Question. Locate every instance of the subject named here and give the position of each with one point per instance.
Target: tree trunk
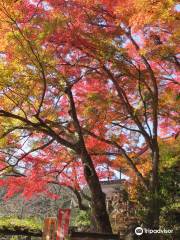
(99, 210)
(97, 196)
(154, 204)
(153, 217)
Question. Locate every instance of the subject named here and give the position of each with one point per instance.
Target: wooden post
(49, 229)
(63, 223)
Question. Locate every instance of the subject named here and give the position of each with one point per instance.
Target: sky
(177, 7)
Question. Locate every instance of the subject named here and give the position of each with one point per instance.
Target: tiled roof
(108, 182)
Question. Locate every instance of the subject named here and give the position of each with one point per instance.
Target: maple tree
(84, 88)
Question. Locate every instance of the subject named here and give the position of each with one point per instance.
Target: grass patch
(12, 224)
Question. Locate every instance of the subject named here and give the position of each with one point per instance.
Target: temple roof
(110, 182)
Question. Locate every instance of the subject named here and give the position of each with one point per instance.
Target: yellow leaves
(143, 51)
(174, 39)
(90, 110)
(3, 142)
(138, 13)
(144, 167)
(169, 152)
(151, 12)
(6, 171)
(8, 2)
(163, 51)
(95, 97)
(49, 115)
(96, 106)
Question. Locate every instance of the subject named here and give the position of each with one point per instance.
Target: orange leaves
(120, 162)
(85, 46)
(144, 166)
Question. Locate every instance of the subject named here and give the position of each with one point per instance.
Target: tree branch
(124, 154)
